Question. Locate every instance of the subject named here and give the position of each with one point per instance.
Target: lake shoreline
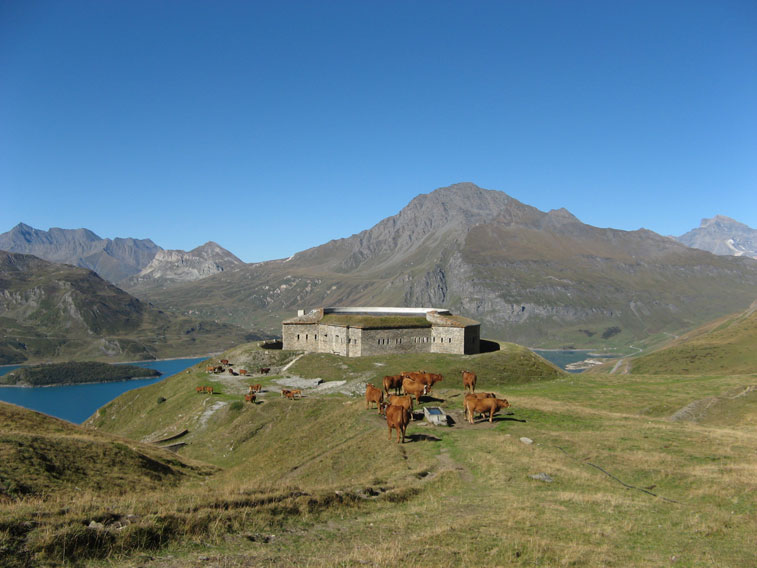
(75, 384)
(207, 356)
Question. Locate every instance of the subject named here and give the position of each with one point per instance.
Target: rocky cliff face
(724, 236)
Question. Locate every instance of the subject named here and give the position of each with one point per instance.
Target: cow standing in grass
(410, 387)
(469, 381)
(397, 418)
(392, 382)
(484, 405)
(373, 394)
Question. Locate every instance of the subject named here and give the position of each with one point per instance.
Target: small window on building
(298, 337)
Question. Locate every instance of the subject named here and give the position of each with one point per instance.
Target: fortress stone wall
(356, 332)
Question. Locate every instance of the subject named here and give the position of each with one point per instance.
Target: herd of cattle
(398, 408)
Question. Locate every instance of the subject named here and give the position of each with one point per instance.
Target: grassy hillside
(56, 312)
(725, 346)
(609, 479)
(136, 413)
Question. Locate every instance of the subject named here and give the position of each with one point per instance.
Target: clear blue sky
(273, 126)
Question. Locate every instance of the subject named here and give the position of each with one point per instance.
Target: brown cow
(397, 417)
(242, 371)
(209, 390)
(265, 370)
(232, 372)
(409, 386)
(403, 401)
(286, 393)
(484, 405)
(296, 393)
(255, 388)
(428, 379)
(291, 394)
(210, 368)
(469, 381)
(249, 397)
(199, 389)
(475, 396)
(373, 394)
(393, 382)
(224, 361)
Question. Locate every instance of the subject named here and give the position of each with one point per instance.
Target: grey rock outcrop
(181, 266)
(724, 236)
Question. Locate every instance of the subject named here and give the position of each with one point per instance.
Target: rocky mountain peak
(724, 236)
(182, 266)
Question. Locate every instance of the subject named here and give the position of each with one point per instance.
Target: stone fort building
(356, 332)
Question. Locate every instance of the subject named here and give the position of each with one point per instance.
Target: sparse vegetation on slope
(725, 347)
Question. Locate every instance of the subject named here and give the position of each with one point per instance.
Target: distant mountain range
(52, 311)
(140, 261)
(722, 235)
(532, 277)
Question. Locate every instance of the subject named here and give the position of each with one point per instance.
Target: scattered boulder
(542, 477)
(526, 440)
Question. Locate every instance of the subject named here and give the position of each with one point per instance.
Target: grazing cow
(403, 401)
(409, 386)
(218, 369)
(469, 381)
(428, 379)
(255, 388)
(200, 390)
(484, 405)
(372, 394)
(291, 394)
(393, 382)
(210, 368)
(475, 396)
(208, 390)
(249, 398)
(478, 396)
(265, 370)
(242, 371)
(232, 372)
(397, 417)
(224, 361)
(286, 393)
(296, 393)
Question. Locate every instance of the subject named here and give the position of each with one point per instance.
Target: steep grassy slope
(725, 347)
(40, 455)
(57, 312)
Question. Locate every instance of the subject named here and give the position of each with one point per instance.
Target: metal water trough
(435, 415)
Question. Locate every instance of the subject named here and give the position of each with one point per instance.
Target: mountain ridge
(532, 277)
(52, 311)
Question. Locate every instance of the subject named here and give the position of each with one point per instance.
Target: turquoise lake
(76, 403)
